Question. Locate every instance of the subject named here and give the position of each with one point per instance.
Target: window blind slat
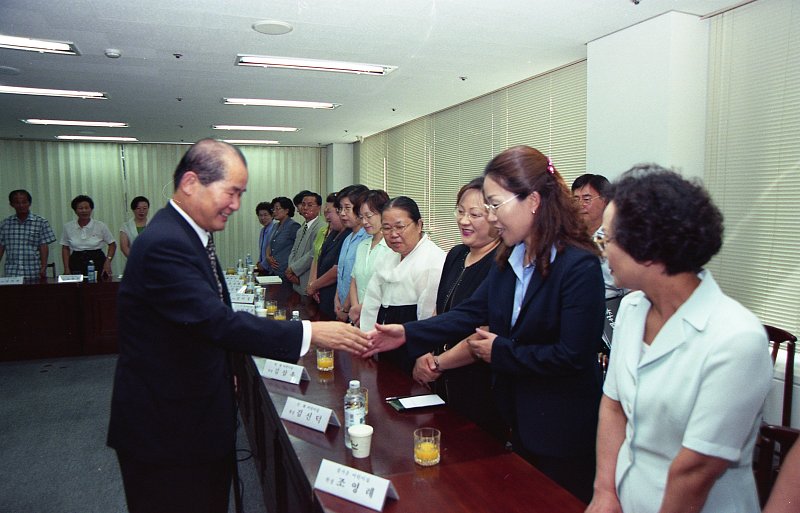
(547, 112)
(753, 156)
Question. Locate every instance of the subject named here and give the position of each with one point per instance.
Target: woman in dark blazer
(283, 236)
(322, 283)
(543, 302)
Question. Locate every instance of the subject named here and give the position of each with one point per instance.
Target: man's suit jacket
(303, 253)
(283, 237)
(547, 382)
(173, 398)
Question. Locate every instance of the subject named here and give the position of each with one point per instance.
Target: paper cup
(360, 439)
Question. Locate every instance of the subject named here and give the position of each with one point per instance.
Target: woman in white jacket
(689, 367)
(404, 286)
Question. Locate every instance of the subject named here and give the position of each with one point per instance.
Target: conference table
(476, 472)
(47, 319)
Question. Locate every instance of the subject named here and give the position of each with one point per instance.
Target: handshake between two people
(385, 337)
(343, 336)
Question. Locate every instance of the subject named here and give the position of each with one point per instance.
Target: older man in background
(25, 238)
(302, 253)
(588, 191)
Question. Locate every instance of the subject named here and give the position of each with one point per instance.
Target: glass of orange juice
(427, 441)
(324, 359)
(272, 307)
(280, 314)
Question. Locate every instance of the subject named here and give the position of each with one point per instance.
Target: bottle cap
(354, 383)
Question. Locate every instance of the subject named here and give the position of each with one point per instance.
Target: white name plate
(242, 298)
(241, 307)
(12, 280)
(233, 281)
(309, 415)
(282, 371)
(70, 278)
(354, 485)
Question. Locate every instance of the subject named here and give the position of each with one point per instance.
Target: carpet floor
(53, 457)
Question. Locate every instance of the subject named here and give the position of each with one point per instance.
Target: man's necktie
(211, 249)
(303, 234)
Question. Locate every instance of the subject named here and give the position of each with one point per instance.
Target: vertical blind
(753, 156)
(430, 158)
(113, 174)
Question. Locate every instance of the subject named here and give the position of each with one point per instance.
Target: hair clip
(550, 168)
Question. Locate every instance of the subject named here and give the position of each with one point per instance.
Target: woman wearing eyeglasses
(369, 251)
(322, 280)
(689, 368)
(467, 388)
(404, 285)
(283, 235)
(348, 205)
(543, 303)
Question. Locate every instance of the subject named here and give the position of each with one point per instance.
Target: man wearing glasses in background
(588, 191)
(302, 253)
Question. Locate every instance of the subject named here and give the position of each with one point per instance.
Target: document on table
(414, 401)
(420, 401)
(269, 280)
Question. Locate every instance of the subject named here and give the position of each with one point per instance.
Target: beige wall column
(646, 99)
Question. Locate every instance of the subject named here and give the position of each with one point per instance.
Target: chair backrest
(777, 338)
(774, 443)
(612, 307)
(52, 267)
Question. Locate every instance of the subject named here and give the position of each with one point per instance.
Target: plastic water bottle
(90, 271)
(295, 315)
(251, 267)
(354, 410)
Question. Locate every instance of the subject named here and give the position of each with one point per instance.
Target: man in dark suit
(173, 416)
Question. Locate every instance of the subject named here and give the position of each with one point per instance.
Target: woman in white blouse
(404, 285)
(689, 368)
(82, 240)
(135, 225)
(369, 251)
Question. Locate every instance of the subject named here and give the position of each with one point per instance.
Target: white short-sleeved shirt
(94, 235)
(701, 384)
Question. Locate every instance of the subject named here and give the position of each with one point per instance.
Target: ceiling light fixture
(258, 128)
(248, 141)
(272, 27)
(313, 65)
(63, 122)
(38, 45)
(279, 103)
(95, 138)
(61, 93)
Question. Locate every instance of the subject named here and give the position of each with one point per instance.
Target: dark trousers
(573, 473)
(79, 261)
(154, 488)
